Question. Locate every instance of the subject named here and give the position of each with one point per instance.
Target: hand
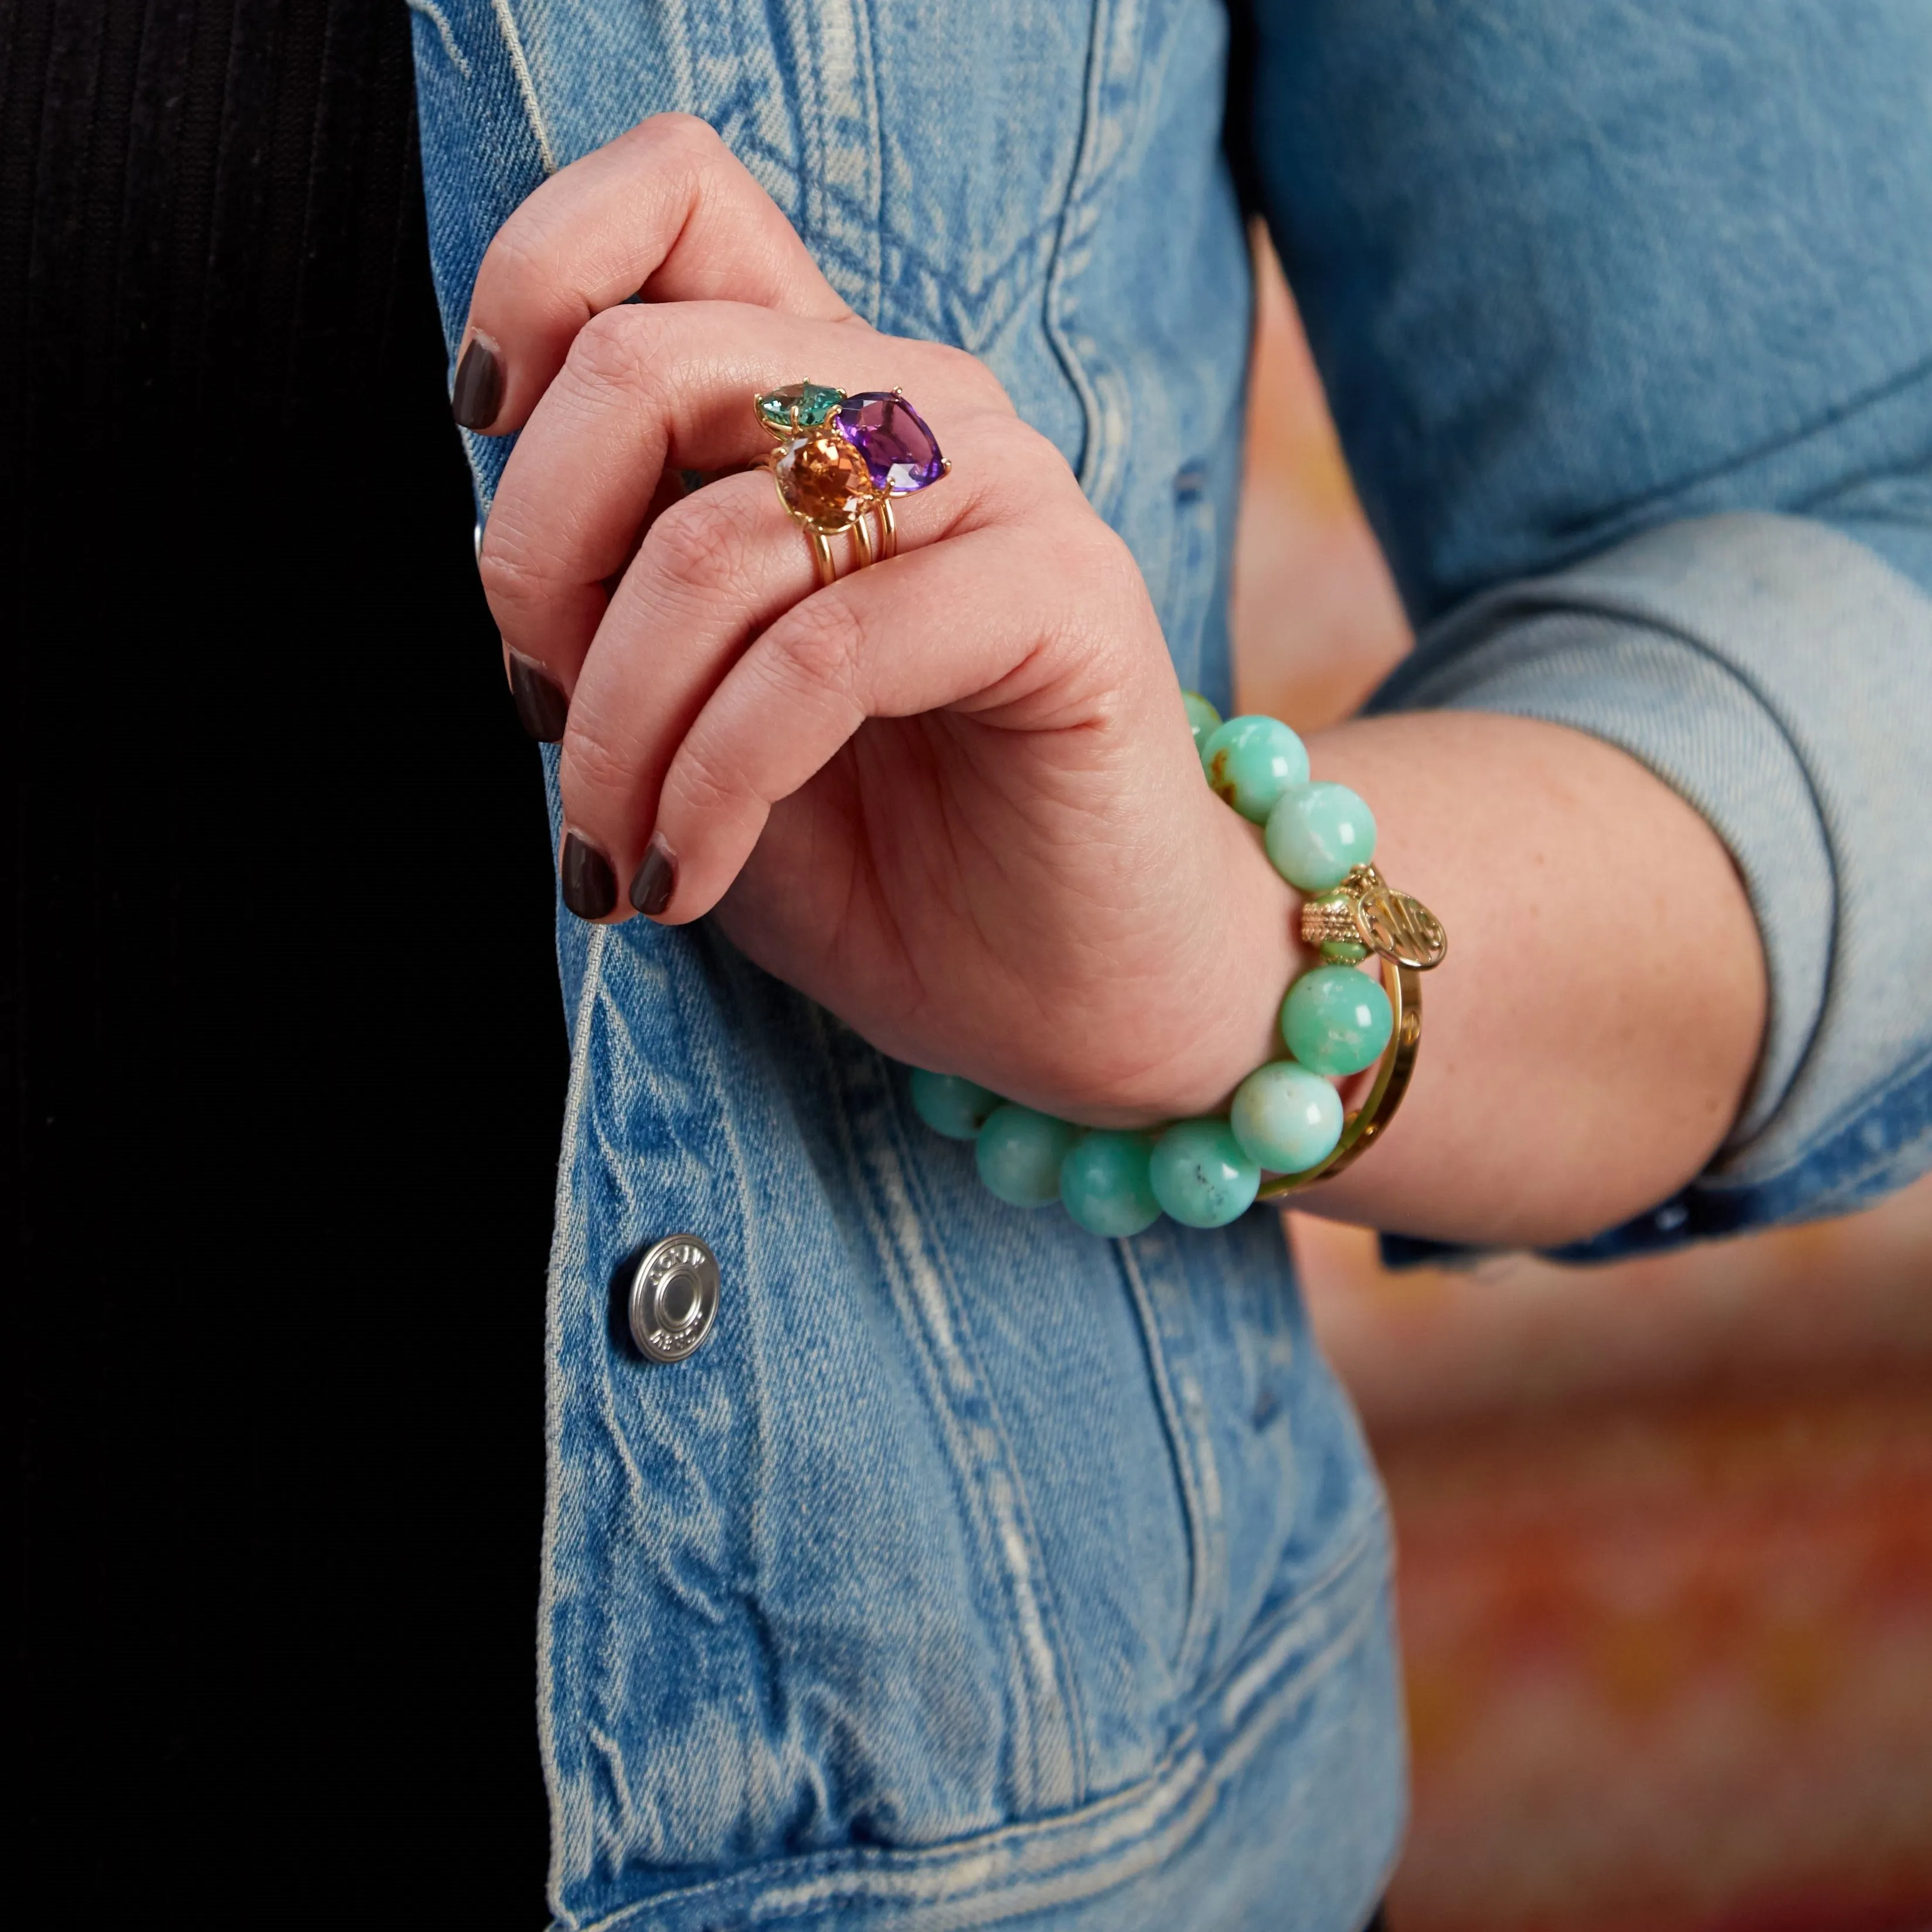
(953, 797)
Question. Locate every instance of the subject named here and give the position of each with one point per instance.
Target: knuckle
(677, 136)
(699, 786)
(819, 645)
(512, 580)
(701, 545)
(598, 763)
(961, 369)
(609, 353)
(520, 251)
(1037, 457)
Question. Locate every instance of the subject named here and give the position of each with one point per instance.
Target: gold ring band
(839, 461)
(867, 547)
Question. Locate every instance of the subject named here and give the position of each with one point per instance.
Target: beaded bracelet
(1286, 1127)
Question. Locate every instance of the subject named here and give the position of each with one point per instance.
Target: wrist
(1216, 1018)
(1255, 954)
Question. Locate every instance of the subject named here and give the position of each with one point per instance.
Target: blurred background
(1665, 1527)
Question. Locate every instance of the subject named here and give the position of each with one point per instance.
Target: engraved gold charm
(1364, 910)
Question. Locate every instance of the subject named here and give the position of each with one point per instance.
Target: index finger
(666, 211)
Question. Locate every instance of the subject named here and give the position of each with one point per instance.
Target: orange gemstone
(824, 482)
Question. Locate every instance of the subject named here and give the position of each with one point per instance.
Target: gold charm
(1365, 909)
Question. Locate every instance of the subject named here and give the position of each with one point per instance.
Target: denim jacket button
(673, 1297)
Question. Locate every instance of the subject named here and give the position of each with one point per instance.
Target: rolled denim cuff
(1778, 675)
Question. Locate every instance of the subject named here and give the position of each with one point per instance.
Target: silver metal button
(673, 1297)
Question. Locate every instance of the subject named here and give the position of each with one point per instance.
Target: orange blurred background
(1665, 1527)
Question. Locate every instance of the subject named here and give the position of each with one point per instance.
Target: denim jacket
(976, 1570)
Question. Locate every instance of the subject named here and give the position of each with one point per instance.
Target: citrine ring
(840, 460)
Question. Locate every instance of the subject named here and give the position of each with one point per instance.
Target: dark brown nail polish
(478, 394)
(590, 886)
(541, 707)
(656, 880)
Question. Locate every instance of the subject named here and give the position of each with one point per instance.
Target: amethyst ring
(840, 460)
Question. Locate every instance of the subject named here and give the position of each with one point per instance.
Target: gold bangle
(1365, 916)
(1361, 1128)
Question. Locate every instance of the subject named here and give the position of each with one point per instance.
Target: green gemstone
(1337, 1021)
(1104, 1186)
(798, 406)
(951, 1106)
(1254, 763)
(1318, 834)
(1287, 1119)
(1201, 1174)
(1202, 715)
(1019, 1153)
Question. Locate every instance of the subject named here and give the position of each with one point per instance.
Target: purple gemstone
(892, 436)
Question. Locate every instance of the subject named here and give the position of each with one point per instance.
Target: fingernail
(590, 886)
(542, 710)
(478, 394)
(656, 879)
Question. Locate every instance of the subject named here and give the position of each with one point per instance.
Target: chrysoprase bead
(1104, 1183)
(1019, 1153)
(950, 1105)
(1317, 835)
(1286, 1118)
(1254, 763)
(1201, 715)
(1200, 1174)
(1335, 1020)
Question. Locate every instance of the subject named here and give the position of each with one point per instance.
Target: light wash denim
(975, 1570)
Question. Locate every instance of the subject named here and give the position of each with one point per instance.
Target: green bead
(1019, 1153)
(1317, 836)
(1254, 763)
(1104, 1183)
(1287, 1119)
(1337, 1021)
(1200, 1174)
(950, 1106)
(1201, 715)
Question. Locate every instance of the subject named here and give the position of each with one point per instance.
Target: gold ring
(838, 461)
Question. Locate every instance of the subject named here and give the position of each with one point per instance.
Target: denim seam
(1202, 1568)
(559, 1395)
(875, 230)
(520, 67)
(440, 21)
(901, 1252)
(1166, 1807)
(1053, 293)
(1045, 1596)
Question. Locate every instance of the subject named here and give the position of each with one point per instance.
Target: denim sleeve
(1625, 314)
